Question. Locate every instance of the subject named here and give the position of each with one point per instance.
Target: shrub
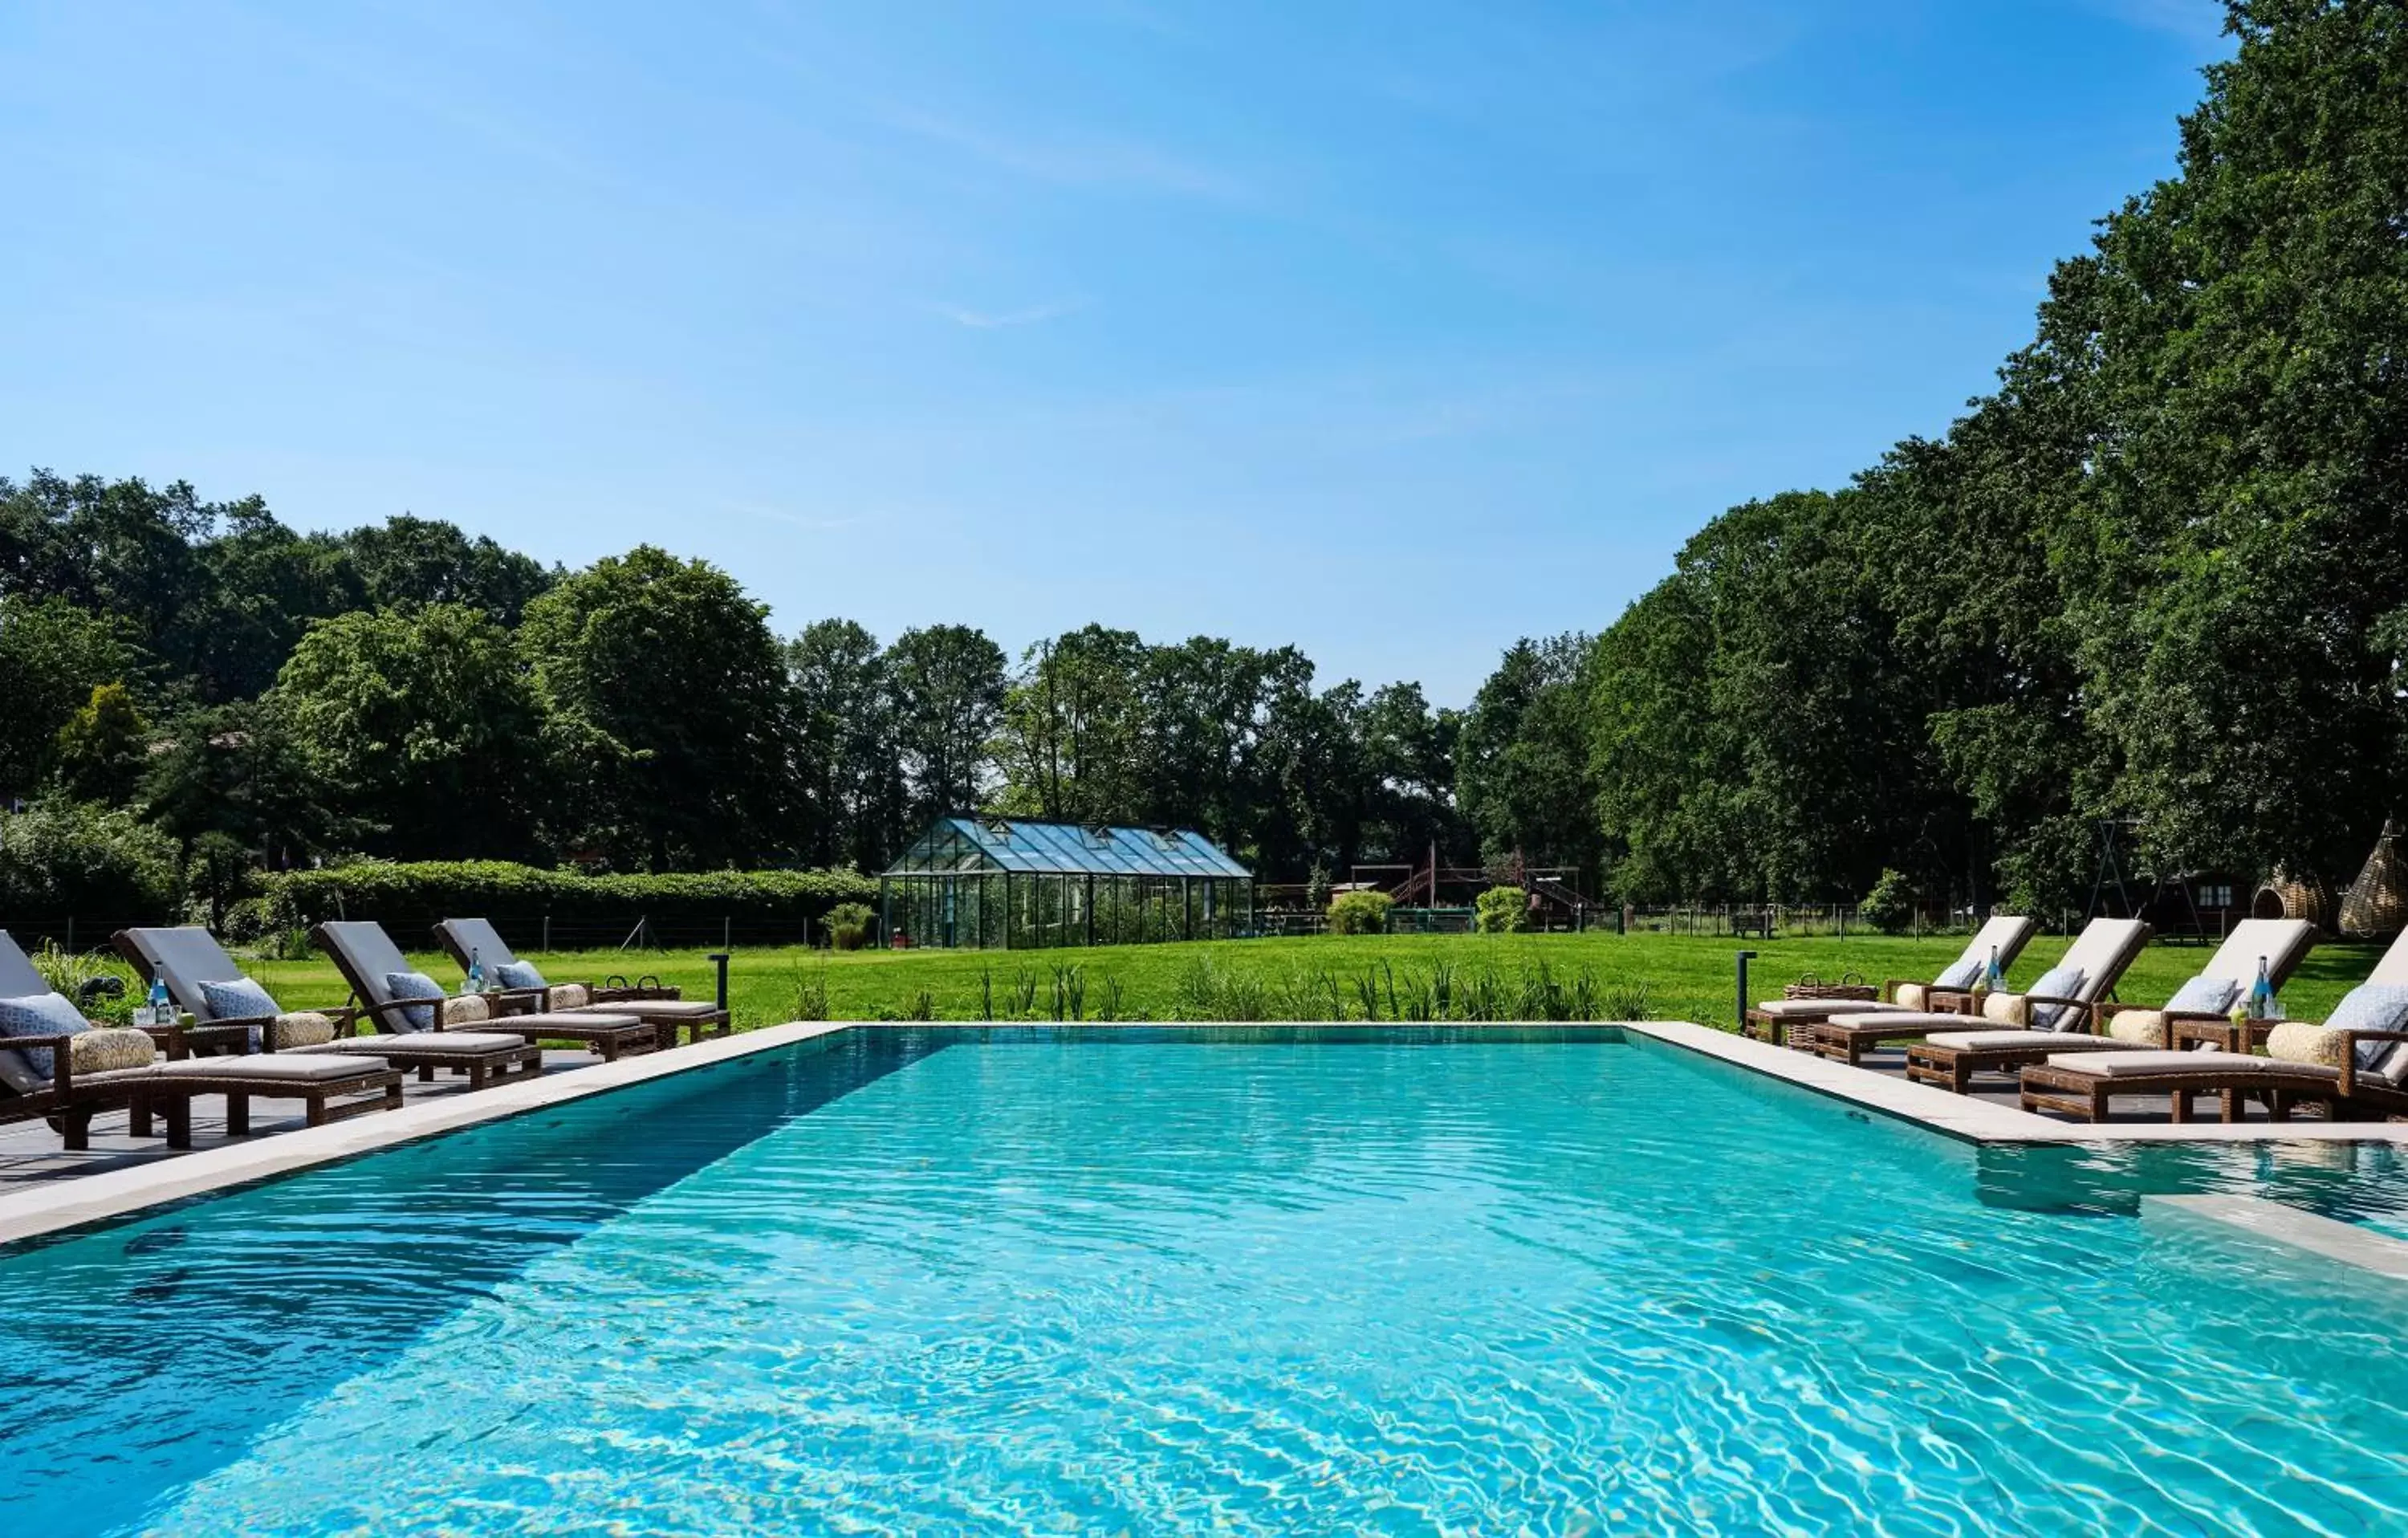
(848, 924)
(1889, 907)
(62, 857)
(409, 899)
(1360, 913)
(1501, 910)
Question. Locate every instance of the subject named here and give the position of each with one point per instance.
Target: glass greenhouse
(988, 882)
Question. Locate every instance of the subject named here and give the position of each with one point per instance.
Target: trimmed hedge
(408, 899)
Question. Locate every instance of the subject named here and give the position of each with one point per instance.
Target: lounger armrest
(2349, 1039)
(2084, 1011)
(61, 1071)
(397, 1009)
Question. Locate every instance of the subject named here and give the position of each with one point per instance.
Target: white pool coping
(75, 1201)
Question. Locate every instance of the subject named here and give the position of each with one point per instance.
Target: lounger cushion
(2119, 1065)
(107, 1050)
(294, 1067)
(2060, 982)
(399, 985)
(302, 1029)
(2372, 1006)
(2007, 1009)
(425, 1042)
(2061, 1041)
(517, 974)
(1779, 1009)
(2204, 996)
(1903, 1022)
(39, 1015)
(678, 1009)
(240, 998)
(1962, 974)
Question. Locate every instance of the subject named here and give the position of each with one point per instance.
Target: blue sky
(1394, 330)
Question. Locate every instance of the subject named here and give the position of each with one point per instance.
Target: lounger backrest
(2282, 941)
(2103, 950)
(364, 955)
(467, 937)
(2393, 967)
(2008, 933)
(185, 958)
(17, 977)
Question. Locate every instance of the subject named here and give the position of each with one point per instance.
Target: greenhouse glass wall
(987, 882)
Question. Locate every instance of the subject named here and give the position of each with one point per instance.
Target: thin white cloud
(996, 320)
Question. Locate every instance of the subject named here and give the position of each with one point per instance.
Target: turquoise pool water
(932, 1282)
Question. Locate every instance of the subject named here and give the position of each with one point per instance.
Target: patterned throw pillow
(2204, 996)
(1961, 975)
(239, 999)
(465, 1009)
(400, 986)
(40, 1014)
(517, 974)
(569, 995)
(2062, 982)
(2372, 1006)
(2007, 1009)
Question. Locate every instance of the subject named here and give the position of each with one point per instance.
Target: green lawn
(1653, 976)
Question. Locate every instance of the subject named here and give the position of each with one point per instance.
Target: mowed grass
(1683, 977)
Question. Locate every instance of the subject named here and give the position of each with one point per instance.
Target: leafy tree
(408, 560)
(667, 706)
(848, 769)
(948, 682)
(236, 770)
(1501, 910)
(63, 858)
(1072, 731)
(1524, 778)
(52, 657)
(426, 721)
(100, 748)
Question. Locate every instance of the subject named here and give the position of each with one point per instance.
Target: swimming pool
(1263, 1279)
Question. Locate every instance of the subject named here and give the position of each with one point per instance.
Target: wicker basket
(1849, 988)
(2376, 906)
(2285, 896)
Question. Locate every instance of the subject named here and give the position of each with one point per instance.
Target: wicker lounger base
(2086, 1096)
(608, 1034)
(428, 1053)
(169, 1090)
(1953, 1068)
(1793, 1026)
(1848, 1038)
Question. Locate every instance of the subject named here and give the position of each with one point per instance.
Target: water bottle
(161, 1012)
(2261, 994)
(1991, 975)
(474, 982)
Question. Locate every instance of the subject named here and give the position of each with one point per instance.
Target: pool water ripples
(1009, 1281)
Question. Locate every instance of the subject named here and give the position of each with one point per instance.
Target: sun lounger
(194, 967)
(1949, 1060)
(327, 1086)
(1775, 1019)
(477, 940)
(2100, 952)
(2348, 1071)
(369, 961)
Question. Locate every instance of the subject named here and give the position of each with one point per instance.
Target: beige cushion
(1899, 1020)
(1912, 996)
(2057, 1040)
(583, 1020)
(425, 1044)
(2138, 1027)
(465, 1009)
(568, 996)
(108, 1050)
(2007, 1009)
(301, 1028)
(2115, 1065)
(2301, 1041)
(298, 1067)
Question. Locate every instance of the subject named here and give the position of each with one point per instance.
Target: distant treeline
(2159, 576)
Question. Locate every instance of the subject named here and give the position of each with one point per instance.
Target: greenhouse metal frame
(1005, 884)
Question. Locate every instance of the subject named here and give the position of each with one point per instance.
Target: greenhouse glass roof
(962, 845)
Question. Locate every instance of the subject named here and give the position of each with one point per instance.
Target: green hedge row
(408, 899)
